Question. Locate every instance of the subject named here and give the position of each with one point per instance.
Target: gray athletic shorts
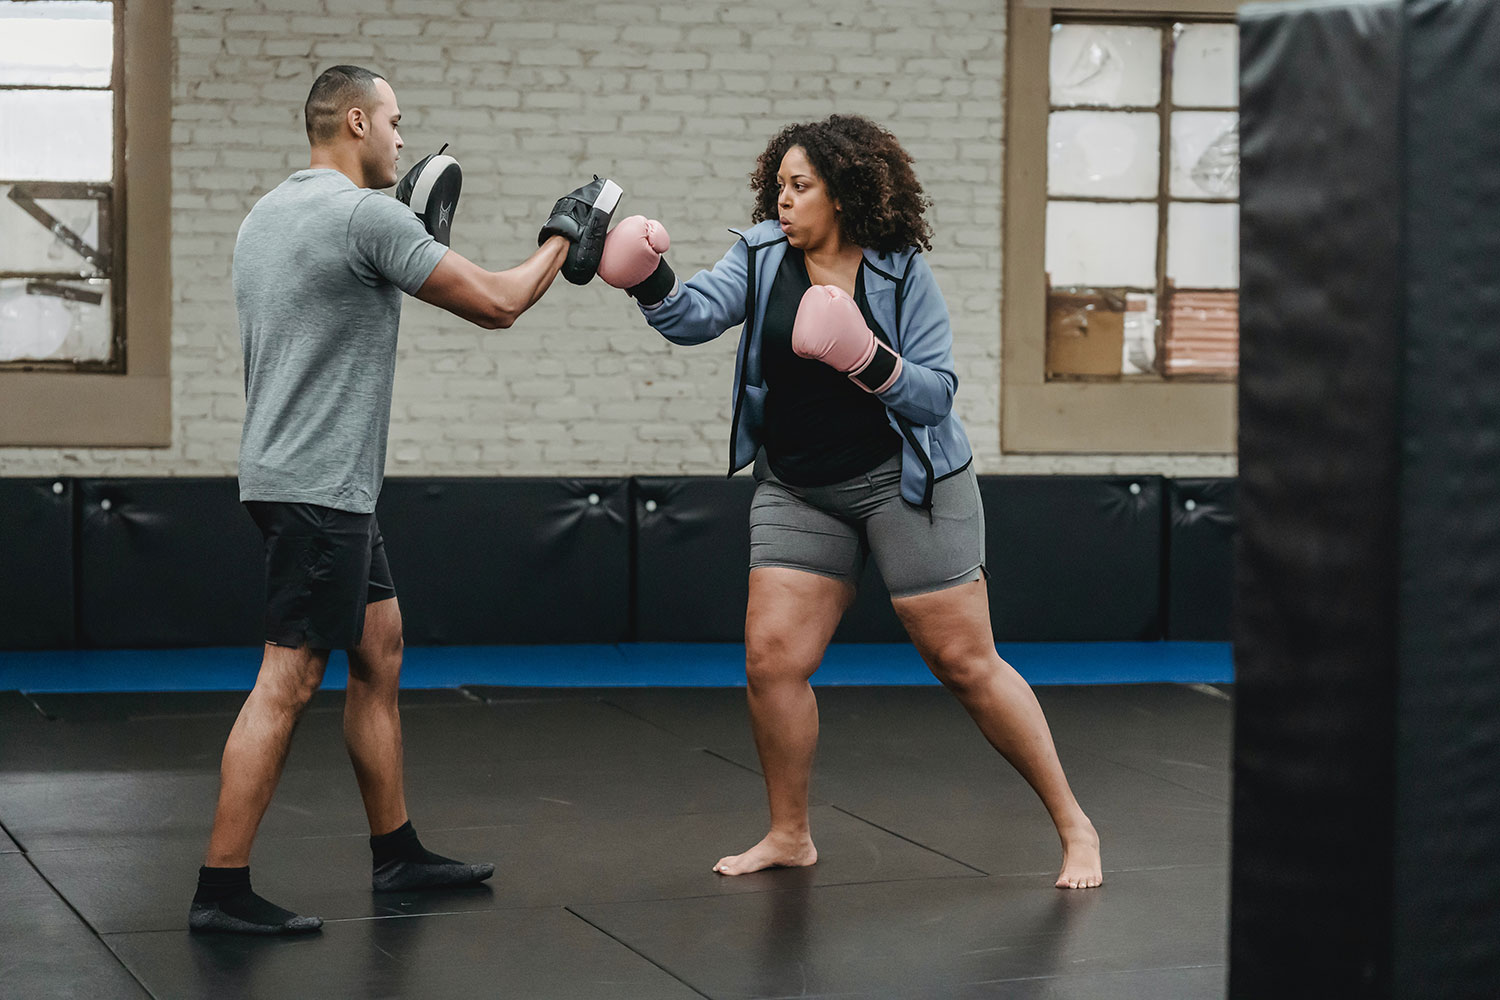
(831, 530)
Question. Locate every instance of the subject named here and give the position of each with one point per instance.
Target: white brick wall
(673, 100)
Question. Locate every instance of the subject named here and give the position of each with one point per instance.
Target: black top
(820, 428)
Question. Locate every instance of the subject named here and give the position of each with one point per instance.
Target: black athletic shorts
(322, 567)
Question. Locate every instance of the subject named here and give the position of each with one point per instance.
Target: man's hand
(582, 218)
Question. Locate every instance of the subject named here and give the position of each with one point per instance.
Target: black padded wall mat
(692, 566)
(1200, 558)
(1368, 618)
(481, 561)
(1070, 558)
(871, 618)
(36, 563)
(167, 562)
(174, 562)
(1448, 694)
(1073, 558)
(692, 539)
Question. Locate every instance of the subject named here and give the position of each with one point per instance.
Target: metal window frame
(111, 216)
(1165, 107)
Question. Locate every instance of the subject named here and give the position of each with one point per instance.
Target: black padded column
(1448, 688)
(1367, 756)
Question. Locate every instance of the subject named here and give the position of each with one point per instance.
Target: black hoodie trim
(744, 366)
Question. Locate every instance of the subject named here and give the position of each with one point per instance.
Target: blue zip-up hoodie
(903, 297)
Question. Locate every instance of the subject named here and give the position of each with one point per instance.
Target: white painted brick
(677, 98)
(193, 22)
(248, 26)
(320, 26)
(651, 36)
(750, 14)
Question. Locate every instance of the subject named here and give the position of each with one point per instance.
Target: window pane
(1103, 154)
(56, 44)
(1205, 66)
(1205, 154)
(1100, 332)
(1140, 334)
(27, 245)
(1101, 64)
(1101, 245)
(1203, 245)
(53, 321)
(1203, 334)
(57, 135)
(1085, 332)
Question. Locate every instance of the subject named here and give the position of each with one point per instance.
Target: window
(1118, 311)
(59, 92)
(85, 251)
(1142, 244)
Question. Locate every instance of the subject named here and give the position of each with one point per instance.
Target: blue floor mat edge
(624, 665)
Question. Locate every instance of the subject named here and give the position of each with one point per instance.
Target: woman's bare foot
(1081, 868)
(775, 851)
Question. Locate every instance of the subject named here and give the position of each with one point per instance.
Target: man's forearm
(524, 284)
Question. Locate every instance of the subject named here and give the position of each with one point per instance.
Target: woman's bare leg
(789, 621)
(951, 629)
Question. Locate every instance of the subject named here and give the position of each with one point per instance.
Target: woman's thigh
(920, 551)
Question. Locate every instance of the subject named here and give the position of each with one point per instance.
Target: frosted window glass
(1105, 65)
(25, 245)
(1205, 66)
(1203, 245)
(44, 321)
(1106, 246)
(1103, 154)
(1140, 335)
(57, 135)
(56, 44)
(1205, 154)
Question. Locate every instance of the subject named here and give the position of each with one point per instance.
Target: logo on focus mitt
(431, 190)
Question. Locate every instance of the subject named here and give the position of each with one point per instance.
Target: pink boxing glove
(830, 329)
(633, 261)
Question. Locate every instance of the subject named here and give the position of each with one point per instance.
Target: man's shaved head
(333, 93)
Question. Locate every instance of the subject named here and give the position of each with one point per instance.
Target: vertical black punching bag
(1367, 639)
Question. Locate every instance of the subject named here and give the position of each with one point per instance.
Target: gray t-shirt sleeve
(387, 242)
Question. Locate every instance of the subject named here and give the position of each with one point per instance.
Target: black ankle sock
(215, 884)
(229, 890)
(401, 844)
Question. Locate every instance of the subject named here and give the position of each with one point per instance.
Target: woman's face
(809, 217)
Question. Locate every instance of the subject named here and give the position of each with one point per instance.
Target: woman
(843, 398)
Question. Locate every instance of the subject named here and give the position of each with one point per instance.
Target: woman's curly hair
(865, 169)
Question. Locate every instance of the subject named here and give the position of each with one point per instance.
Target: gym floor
(605, 810)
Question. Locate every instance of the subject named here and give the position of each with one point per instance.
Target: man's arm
(493, 299)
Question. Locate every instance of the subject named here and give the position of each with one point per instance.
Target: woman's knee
(963, 665)
(774, 657)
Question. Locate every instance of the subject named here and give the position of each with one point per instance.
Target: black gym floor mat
(605, 810)
(48, 951)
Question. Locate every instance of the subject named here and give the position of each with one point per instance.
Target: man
(320, 266)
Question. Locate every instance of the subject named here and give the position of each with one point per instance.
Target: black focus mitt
(582, 217)
(431, 189)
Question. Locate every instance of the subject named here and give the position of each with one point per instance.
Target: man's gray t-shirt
(320, 266)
